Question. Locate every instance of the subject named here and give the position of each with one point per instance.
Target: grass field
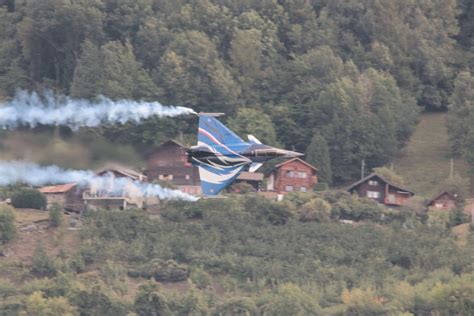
(425, 162)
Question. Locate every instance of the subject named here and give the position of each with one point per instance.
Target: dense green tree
(123, 76)
(317, 154)
(254, 122)
(29, 198)
(88, 75)
(51, 33)
(461, 114)
(192, 74)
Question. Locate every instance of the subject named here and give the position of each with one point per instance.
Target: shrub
(201, 278)
(55, 215)
(316, 210)
(7, 224)
(42, 265)
(149, 301)
(29, 198)
(160, 270)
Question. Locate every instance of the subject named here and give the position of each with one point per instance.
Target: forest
(344, 81)
(349, 76)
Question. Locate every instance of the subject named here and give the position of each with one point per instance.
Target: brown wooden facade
(443, 201)
(292, 175)
(168, 162)
(377, 188)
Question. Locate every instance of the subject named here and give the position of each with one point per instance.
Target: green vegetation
(29, 198)
(55, 215)
(7, 224)
(233, 255)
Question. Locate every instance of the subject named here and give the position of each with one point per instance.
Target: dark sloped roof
(372, 175)
(439, 194)
(298, 159)
(152, 150)
(126, 171)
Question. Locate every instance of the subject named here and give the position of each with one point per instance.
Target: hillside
(425, 162)
(84, 150)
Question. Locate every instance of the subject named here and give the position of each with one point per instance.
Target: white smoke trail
(30, 109)
(26, 172)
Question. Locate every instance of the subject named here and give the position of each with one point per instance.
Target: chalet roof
(126, 171)
(372, 175)
(63, 188)
(168, 142)
(296, 159)
(439, 194)
(250, 176)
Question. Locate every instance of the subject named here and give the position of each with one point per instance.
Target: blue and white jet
(221, 155)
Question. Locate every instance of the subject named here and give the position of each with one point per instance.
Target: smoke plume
(31, 109)
(26, 172)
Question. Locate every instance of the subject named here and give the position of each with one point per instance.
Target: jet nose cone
(293, 154)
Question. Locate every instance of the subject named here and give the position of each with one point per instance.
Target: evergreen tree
(7, 224)
(317, 154)
(88, 75)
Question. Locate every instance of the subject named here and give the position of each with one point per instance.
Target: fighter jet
(221, 155)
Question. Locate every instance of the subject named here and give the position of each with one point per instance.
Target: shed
(444, 200)
(69, 196)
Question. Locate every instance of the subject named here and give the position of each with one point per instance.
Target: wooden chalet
(68, 196)
(375, 187)
(168, 162)
(443, 201)
(292, 175)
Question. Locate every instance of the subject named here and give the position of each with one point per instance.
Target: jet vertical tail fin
(212, 132)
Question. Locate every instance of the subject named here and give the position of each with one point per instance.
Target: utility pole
(451, 169)
(362, 169)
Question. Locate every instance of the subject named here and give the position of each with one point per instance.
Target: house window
(289, 188)
(303, 189)
(439, 205)
(373, 182)
(373, 194)
(301, 174)
(290, 174)
(165, 177)
(187, 177)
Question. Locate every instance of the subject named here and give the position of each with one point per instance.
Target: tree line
(342, 80)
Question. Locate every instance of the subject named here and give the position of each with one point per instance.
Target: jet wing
(214, 180)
